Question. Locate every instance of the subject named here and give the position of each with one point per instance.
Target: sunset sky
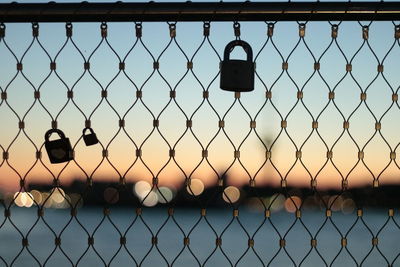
(189, 85)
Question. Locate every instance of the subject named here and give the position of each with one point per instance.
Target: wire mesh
(300, 172)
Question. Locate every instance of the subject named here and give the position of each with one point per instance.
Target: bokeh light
(292, 204)
(141, 189)
(348, 206)
(57, 195)
(335, 203)
(164, 194)
(276, 202)
(37, 196)
(20, 199)
(231, 194)
(196, 187)
(323, 202)
(151, 199)
(76, 200)
(254, 204)
(29, 200)
(111, 195)
(47, 200)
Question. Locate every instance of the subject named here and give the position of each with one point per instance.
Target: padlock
(91, 138)
(59, 150)
(237, 75)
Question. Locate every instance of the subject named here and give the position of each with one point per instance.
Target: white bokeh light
(151, 199)
(141, 189)
(58, 195)
(164, 194)
(29, 200)
(20, 199)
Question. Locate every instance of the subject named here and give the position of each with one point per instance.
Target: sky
(190, 45)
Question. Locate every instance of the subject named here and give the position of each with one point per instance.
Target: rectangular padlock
(91, 138)
(59, 150)
(237, 75)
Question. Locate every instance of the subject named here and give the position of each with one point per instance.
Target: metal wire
(149, 230)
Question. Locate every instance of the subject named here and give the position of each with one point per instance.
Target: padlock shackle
(246, 47)
(51, 131)
(87, 128)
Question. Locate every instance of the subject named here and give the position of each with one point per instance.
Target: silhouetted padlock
(91, 138)
(59, 150)
(237, 75)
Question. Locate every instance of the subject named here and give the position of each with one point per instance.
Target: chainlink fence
(300, 172)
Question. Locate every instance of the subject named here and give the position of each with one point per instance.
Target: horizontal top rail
(198, 11)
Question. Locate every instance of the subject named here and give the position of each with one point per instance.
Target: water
(202, 249)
